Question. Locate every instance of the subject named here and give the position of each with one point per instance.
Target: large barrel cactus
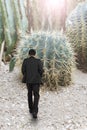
(76, 30)
(54, 51)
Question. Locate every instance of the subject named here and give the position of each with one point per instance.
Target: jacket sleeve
(23, 69)
(40, 68)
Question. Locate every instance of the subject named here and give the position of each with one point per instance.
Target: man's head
(32, 52)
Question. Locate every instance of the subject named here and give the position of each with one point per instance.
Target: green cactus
(9, 31)
(13, 22)
(76, 30)
(1, 28)
(54, 51)
(21, 20)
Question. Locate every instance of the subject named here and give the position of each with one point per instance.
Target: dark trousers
(33, 97)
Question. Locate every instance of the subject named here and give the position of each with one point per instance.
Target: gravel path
(62, 110)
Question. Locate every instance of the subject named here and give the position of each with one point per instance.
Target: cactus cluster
(76, 30)
(54, 51)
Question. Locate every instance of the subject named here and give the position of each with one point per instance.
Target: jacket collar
(32, 57)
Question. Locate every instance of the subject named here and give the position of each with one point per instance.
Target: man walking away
(32, 69)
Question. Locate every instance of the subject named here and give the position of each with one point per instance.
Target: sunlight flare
(55, 3)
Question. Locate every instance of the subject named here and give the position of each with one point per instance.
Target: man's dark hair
(32, 52)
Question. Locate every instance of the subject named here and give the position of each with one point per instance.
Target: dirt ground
(61, 110)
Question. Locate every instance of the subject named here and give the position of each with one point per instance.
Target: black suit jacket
(32, 69)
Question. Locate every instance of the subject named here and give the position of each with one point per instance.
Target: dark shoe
(34, 115)
(30, 111)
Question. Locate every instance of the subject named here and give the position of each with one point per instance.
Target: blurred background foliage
(20, 16)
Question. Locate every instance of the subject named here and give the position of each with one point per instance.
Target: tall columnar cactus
(76, 30)
(1, 28)
(8, 24)
(13, 21)
(54, 51)
(20, 16)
